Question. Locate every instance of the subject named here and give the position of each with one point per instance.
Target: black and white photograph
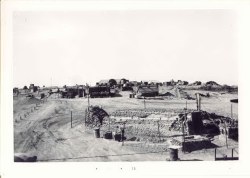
(125, 85)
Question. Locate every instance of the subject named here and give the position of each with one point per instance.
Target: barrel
(108, 135)
(97, 132)
(173, 154)
(118, 136)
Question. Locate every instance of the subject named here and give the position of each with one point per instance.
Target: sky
(58, 48)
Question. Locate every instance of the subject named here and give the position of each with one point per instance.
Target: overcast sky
(79, 47)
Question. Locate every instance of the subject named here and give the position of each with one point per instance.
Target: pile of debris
(197, 122)
(94, 116)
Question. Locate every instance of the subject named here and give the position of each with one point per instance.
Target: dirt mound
(33, 101)
(185, 95)
(26, 101)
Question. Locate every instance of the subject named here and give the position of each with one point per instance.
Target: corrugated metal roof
(147, 89)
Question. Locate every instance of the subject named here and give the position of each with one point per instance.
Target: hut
(72, 91)
(154, 83)
(197, 83)
(124, 81)
(15, 91)
(134, 83)
(181, 82)
(33, 88)
(167, 83)
(127, 87)
(112, 82)
(99, 91)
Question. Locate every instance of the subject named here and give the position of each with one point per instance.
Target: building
(33, 88)
(167, 83)
(180, 82)
(99, 91)
(196, 83)
(73, 91)
(102, 83)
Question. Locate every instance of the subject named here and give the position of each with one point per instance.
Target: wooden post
(226, 133)
(183, 134)
(159, 134)
(88, 101)
(231, 111)
(144, 103)
(182, 126)
(215, 154)
(88, 95)
(199, 102)
(122, 134)
(232, 153)
(71, 118)
(86, 112)
(109, 123)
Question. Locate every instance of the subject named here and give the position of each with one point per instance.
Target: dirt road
(49, 136)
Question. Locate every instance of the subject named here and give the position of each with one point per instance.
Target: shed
(99, 91)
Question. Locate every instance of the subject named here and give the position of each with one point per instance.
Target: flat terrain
(44, 128)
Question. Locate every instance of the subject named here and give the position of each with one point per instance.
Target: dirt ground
(44, 128)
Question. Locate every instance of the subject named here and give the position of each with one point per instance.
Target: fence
(30, 109)
(226, 154)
